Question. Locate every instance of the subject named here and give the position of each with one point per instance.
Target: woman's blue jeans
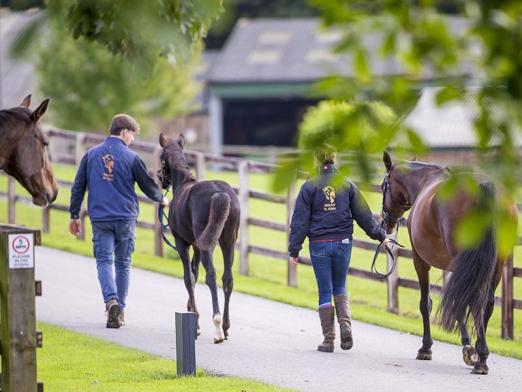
(113, 240)
(330, 260)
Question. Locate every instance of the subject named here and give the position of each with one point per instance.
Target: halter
(389, 216)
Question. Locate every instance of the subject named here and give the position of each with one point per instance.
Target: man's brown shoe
(121, 318)
(112, 310)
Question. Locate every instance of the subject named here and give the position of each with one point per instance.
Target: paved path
(269, 341)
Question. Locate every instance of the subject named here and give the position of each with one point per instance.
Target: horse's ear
(40, 110)
(26, 102)
(162, 140)
(181, 140)
(387, 160)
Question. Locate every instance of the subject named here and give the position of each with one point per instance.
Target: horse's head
(25, 155)
(172, 158)
(394, 195)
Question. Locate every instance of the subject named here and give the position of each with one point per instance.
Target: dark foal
(201, 215)
(23, 151)
(470, 291)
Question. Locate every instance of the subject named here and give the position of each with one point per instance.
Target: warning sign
(21, 251)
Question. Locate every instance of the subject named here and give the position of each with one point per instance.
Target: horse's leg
(469, 354)
(481, 345)
(206, 258)
(191, 307)
(196, 258)
(423, 269)
(188, 277)
(228, 282)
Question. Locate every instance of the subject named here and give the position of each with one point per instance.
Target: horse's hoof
(198, 331)
(469, 354)
(480, 369)
(424, 355)
(218, 340)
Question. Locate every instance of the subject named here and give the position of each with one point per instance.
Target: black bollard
(185, 343)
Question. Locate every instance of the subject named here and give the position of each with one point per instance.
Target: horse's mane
(11, 116)
(180, 164)
(417, 165)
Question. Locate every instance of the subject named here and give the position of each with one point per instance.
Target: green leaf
(447, 94)
(471, 230)
(362, 69)
(506, 230)
(416, 142)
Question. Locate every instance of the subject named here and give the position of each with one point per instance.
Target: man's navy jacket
(324, 213)
(109, 171)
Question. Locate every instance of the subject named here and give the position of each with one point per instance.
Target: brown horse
(201, 214)
(470, 291)
(23, 151)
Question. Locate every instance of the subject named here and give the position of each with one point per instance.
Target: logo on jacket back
(329, 193)
(108, 162)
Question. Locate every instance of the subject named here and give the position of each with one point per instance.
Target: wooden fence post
(200, 166)
(243, 221)
(79, 150)
(446, 275)
(291, 278)
(11, 200)
(507, 299)
(393, 281)
(46, 219)
(17, 287)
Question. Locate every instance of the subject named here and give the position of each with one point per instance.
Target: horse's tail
(219, 210)
(466, 292)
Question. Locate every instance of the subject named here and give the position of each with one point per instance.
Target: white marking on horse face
(218, 323)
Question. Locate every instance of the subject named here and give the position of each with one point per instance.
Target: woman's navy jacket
(325, 213)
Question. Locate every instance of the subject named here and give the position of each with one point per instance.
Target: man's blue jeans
(113, 239)
(330, 260)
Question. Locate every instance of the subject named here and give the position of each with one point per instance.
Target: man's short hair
(123, 121)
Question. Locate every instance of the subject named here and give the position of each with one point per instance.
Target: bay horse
(201, 214)
(432, 222)
(23, 151)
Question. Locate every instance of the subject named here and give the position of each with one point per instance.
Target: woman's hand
(293, 260)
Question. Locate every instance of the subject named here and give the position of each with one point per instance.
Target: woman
(326, 215)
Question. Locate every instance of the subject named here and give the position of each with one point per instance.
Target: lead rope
(164, 227)
(390, 253)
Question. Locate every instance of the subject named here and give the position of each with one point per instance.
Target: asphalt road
(269, 341)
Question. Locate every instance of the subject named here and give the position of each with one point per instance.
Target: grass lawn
(71, 361)
(268, 276)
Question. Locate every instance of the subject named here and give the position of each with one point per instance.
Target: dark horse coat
(202, 214)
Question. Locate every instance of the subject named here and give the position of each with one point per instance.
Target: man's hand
(293, 260)
(165, 202)
(75, 226)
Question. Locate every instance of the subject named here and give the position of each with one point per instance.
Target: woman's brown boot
(327, 317)
(342, 305)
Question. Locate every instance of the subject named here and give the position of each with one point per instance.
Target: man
(109, 171)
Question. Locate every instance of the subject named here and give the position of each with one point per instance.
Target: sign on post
(21, 251)
(186, 343)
